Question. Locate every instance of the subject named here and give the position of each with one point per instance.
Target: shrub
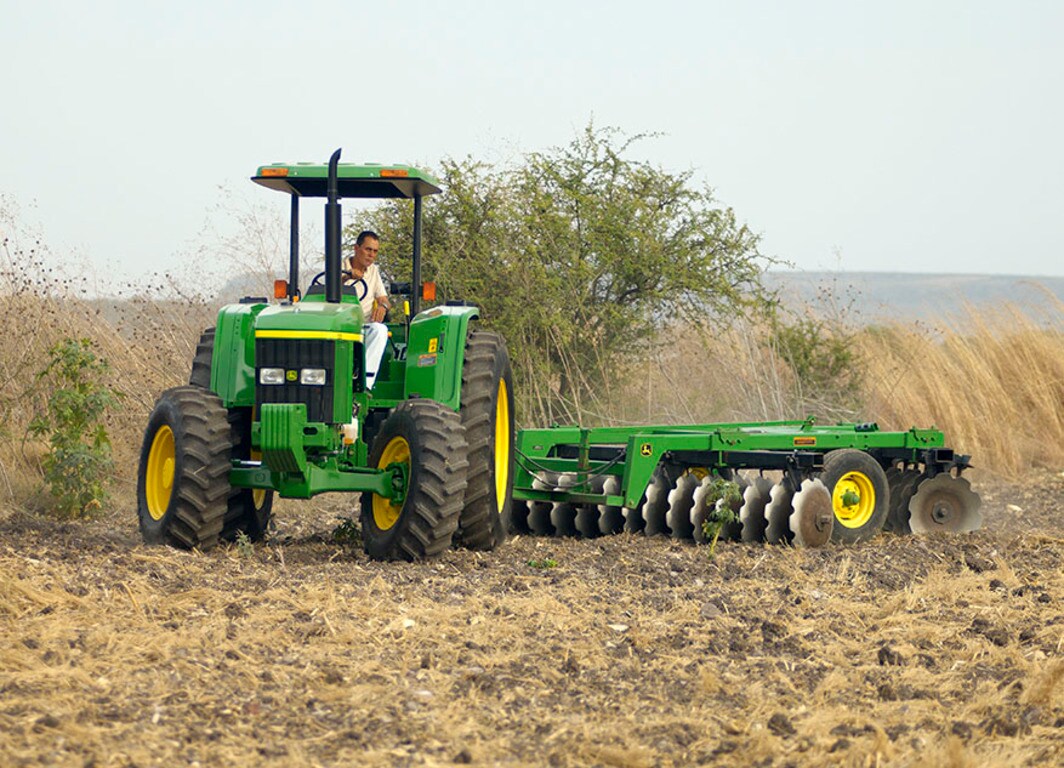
(78, 462)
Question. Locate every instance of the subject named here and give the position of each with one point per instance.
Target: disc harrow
(795, 483)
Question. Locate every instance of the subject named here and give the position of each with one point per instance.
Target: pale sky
(867, 136)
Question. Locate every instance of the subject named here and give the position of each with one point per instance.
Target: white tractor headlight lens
(312, 376)
(271, 375)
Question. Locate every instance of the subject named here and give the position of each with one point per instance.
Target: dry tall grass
(993, 380)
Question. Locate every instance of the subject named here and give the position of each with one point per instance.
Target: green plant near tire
(277, 403)
(720, 514)
(78, 463)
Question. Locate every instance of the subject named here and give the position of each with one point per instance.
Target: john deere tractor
(277, 403)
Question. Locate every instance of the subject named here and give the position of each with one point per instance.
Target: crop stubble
(629, 652)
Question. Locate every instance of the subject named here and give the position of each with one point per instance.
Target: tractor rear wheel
(860, 497)
(425, 440)
(487, 414)
(183, 479)
(201, 361)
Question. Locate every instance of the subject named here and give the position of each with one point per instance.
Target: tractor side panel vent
(295, 355)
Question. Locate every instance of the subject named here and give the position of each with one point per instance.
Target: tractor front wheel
(487, 413)
(183, 479)
(859, 494)
(249, 508)
(425, 442)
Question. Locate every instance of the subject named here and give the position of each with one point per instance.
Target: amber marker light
(391, 173)
(428, 291)
(280, 289)
(274, 171)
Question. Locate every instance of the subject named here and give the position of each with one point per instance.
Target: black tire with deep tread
(902, 485)
(838, 463)
(201, 361)
(437, 483)
(202, 449)
(242, 515)
(484, 518)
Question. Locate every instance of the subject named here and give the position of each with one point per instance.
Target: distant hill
(879, 296)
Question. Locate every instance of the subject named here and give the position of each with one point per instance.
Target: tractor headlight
(271, 375)
(315, 377)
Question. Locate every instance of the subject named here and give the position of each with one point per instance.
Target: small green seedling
(347, 533)
(244, 546)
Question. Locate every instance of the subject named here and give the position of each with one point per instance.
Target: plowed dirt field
(617, 651)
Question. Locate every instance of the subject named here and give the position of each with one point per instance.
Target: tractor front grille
(294, 355)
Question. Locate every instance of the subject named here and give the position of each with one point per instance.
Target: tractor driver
(363, 271)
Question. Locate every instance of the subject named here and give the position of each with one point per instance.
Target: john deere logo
(645, 449)
(291, 375)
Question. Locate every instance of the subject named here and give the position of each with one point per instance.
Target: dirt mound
(620, 651)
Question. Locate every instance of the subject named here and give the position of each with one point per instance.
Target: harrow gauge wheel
(859, 494)
(945, 503)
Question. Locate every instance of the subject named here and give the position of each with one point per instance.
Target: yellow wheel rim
(385, 513)
(853, 499)
(258, 495)
(159, 474)
(502, 444)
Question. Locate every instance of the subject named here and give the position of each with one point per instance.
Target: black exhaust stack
(332, 235)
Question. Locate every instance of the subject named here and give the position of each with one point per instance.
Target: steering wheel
(317, 281)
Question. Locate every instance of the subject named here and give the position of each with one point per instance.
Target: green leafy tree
(78, 461)
(578, 255)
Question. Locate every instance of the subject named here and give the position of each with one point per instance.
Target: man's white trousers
(374, 337)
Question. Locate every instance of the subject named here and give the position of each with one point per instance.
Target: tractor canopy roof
(353, 180)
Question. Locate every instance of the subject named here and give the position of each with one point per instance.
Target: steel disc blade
(700, 509)
(610, 518)
(539, 511)
(813, 517)
(778, 513)
(562, 513)
(734, 531)
(655, 508)
(752, 512)
(517, 519)
(681, 500)
(945, 503)
(902, 484)
(587, 515)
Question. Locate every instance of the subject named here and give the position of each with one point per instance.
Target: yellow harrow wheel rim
(502, 444)
(385, 513)
(159, 475)
(859, 512)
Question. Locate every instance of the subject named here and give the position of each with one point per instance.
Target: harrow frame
(633, 453)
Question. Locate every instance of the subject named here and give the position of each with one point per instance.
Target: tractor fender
(435, 352)
(233, 361)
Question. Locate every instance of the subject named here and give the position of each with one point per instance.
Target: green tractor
(277, 403)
